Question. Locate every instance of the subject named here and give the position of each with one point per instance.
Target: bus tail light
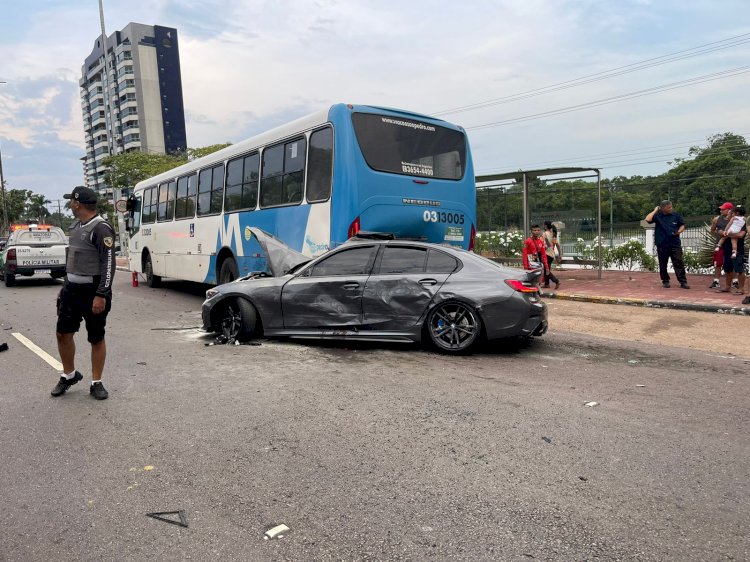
(353, 228)
(472, 236)
(520, 286)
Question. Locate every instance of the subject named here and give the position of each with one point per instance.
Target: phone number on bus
(442, 216)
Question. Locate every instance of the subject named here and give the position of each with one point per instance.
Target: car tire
(10, 280)
(453, 327)
(152, 280)
(229, 271)
(238, 320)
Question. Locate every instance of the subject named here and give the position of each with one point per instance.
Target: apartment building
(145, 96)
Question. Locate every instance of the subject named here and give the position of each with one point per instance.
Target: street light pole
(2, 188)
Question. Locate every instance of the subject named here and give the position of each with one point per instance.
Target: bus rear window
(405, 146)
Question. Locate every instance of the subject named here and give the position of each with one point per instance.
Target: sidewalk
(640, 288)
(635, 288)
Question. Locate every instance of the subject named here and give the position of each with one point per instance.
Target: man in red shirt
(534, 254)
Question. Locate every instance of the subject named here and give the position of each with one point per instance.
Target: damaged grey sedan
(378, 288)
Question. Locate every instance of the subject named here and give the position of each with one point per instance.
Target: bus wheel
(238, 320)
(229, 271)
(151, 279)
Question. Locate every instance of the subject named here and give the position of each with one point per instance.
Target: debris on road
(276, 532)
(547, 439)
(591, 404)
(633, 361)
(583, 478)
(3, 347)
(223, 340)
(159, 516)
(641, 385)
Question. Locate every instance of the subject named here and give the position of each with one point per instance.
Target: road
(376, 452)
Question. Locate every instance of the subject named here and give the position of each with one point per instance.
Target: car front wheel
(454, 327)
(238, 320)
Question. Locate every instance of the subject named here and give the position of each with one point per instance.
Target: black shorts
(74, 304)
(736, 264)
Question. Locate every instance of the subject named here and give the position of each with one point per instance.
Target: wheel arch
(224, 254)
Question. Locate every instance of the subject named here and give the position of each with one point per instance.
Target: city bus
(312, 183)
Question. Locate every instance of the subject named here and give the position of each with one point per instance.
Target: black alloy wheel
(238, 320)
(454, 327)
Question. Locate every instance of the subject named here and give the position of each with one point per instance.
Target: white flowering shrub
(499, 243)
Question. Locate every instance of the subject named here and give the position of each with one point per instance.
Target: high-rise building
(145, 97)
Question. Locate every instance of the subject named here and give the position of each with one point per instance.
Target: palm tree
(36, 207)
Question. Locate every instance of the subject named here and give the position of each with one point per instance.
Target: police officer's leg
(69, 318)
(95, 326)
(678, 264)
(663, 255)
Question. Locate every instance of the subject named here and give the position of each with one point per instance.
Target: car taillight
(517, 285)
(12, 254)
(353, 228)
(472, 236)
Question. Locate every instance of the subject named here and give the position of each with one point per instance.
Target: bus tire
(10, 280)
(238, 320)
(229, 271)
(152, 280)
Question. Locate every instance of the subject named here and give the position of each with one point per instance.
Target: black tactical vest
(83, 257)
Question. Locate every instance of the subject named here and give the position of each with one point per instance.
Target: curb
(720, 309)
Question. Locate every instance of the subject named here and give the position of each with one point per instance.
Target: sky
(250, 65)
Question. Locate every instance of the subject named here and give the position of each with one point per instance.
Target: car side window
(440, 262)
(353, 261)
(400, 259)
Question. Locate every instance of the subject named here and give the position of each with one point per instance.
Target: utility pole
(2, 188)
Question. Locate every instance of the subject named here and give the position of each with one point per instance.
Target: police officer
(87, 292)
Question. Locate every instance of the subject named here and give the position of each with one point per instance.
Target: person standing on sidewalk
(718, 225)
(734, 265)
(534, 256)
(553, 251)
(668, 227)
(87, 292)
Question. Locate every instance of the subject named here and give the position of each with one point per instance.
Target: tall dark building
(146, 112)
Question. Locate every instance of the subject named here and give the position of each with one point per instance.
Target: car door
(402, 285)
(329, 293)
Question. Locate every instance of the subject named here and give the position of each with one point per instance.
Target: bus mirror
(130, 204)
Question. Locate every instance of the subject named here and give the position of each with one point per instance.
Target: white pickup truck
(34, 249)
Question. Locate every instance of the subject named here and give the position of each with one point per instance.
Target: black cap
(82, 195)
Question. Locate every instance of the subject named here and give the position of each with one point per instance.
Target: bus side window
(149, 210)
(283, 174)
(136, 215)
(192, 193)
(242, 183)
(294, 171)
(171, 196)
(161, 214)
(204, 192)
(320, 165)
(180, 208)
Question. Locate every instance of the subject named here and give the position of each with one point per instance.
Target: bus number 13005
(442, 216)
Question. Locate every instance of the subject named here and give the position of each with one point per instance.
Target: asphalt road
(371, 452)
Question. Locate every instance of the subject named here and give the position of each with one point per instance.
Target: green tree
(195, 153)
(36, 207)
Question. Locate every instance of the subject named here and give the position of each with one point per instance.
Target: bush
(631, 255)
(499, 244)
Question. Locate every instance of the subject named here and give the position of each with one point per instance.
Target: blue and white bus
(312, 183)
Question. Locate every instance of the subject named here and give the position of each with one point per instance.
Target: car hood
(281, 258)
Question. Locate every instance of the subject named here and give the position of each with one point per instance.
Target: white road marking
(54, 363)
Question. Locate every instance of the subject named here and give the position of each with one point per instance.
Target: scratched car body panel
(377, 288)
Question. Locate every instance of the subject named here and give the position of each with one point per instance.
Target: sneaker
(735, 284)
(98, 391)
(746, 300)
(557, 285)
(665, 284)
(684, 286)
(64, 384)
(714, 285)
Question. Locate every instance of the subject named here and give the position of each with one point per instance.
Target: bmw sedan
(376, 288)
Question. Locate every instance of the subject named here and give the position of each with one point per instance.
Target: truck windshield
(404, 146)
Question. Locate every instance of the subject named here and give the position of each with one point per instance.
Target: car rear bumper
(516, 317)
(31, 270)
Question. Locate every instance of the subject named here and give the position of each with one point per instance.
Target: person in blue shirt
(668, 227)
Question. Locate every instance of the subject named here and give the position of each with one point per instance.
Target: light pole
(612, 188)
(2, 188)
